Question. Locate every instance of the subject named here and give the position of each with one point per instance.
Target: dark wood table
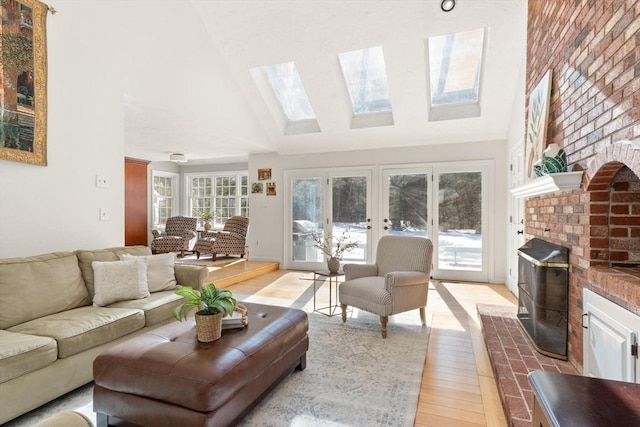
(563, 400)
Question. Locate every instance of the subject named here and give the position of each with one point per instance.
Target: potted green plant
(342, 245)
(213, 304)
(206, 216)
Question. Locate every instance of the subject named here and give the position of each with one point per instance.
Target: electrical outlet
(102, 181)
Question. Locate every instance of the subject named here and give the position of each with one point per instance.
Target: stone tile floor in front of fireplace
(512, 357)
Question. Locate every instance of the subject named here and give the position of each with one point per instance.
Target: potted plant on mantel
(334, 256)
(214, 303)
(206, 216)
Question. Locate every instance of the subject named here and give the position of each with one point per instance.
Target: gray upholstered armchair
(397, 282)
(179, 236)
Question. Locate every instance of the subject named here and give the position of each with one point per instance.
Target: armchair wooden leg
(383, 321)
(182, 253)
(197, 254)
(213, 256)
(422, 316)
(344, 312)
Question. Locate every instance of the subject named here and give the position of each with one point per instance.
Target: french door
(460, 222)
(446, 203)
(327, 204)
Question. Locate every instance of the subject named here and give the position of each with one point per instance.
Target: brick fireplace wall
(593, 50)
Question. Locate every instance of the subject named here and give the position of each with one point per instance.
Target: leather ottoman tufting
(167, 378)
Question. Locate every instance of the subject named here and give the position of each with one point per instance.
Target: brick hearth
(512, 357)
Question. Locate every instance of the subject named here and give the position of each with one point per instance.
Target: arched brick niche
(614, 207)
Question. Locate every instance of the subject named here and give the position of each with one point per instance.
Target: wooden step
(240, 271)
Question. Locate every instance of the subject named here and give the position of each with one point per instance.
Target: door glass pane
(407, 195)
(349, 195)
(306, 213)
(460, 221)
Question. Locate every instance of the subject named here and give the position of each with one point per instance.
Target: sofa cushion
(84, 328)
(160, 271)
(21, 354)
(86, 257)
(32, 287)
(157, 307)
(119, 280)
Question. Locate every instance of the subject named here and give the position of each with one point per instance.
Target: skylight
(366, 79)
(287, 86)
(455, 63)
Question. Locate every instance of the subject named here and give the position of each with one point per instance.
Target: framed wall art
(256, 188)
(537, 121)
(271, 188)
(264, 174)
(23, 92)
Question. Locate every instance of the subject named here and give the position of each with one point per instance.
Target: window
(165, 197)
(292, 98)
(201, 191)
(225, 195)
(365, 76)
(455, 64)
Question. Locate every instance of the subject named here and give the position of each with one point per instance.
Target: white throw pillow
(119, 281)
(160, 271)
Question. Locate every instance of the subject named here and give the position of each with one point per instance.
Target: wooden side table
(331, 309)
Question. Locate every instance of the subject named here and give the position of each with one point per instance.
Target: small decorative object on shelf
(342, 245)
(553, 160)
(214, 303)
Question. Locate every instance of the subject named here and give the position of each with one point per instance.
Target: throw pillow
(160, 271)
(119, 280)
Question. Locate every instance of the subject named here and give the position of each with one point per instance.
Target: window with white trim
(165, 197)
(225, 195)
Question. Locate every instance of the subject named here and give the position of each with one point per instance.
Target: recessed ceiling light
(447, 5)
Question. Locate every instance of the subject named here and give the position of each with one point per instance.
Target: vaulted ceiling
(189, 86)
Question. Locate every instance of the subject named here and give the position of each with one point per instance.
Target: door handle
(520, 232)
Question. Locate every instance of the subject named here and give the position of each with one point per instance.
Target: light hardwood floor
(458, 388)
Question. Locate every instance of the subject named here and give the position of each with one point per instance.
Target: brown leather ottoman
(167, 378)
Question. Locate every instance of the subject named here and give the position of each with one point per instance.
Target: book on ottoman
(232, 322)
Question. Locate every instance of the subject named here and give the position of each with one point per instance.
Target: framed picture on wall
(537, 121)
(264, 174)
(271, 188)
(256, 187)
(23, 126)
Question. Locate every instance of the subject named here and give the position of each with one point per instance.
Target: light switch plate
(102, 181)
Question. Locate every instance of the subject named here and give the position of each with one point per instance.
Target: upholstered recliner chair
(179, 236)
(230, 241)
(397, 282)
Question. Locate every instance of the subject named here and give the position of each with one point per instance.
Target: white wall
(56, 207)
(266, 230)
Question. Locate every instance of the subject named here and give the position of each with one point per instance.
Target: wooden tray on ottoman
(167, 378)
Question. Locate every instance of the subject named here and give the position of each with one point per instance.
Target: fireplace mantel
(550, 183)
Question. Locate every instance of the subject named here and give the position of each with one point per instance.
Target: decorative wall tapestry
(23, 83)
(537, 121)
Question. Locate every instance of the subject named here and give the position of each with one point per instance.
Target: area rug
(353, 378)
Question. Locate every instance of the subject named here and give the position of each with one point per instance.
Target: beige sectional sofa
(50, 328)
